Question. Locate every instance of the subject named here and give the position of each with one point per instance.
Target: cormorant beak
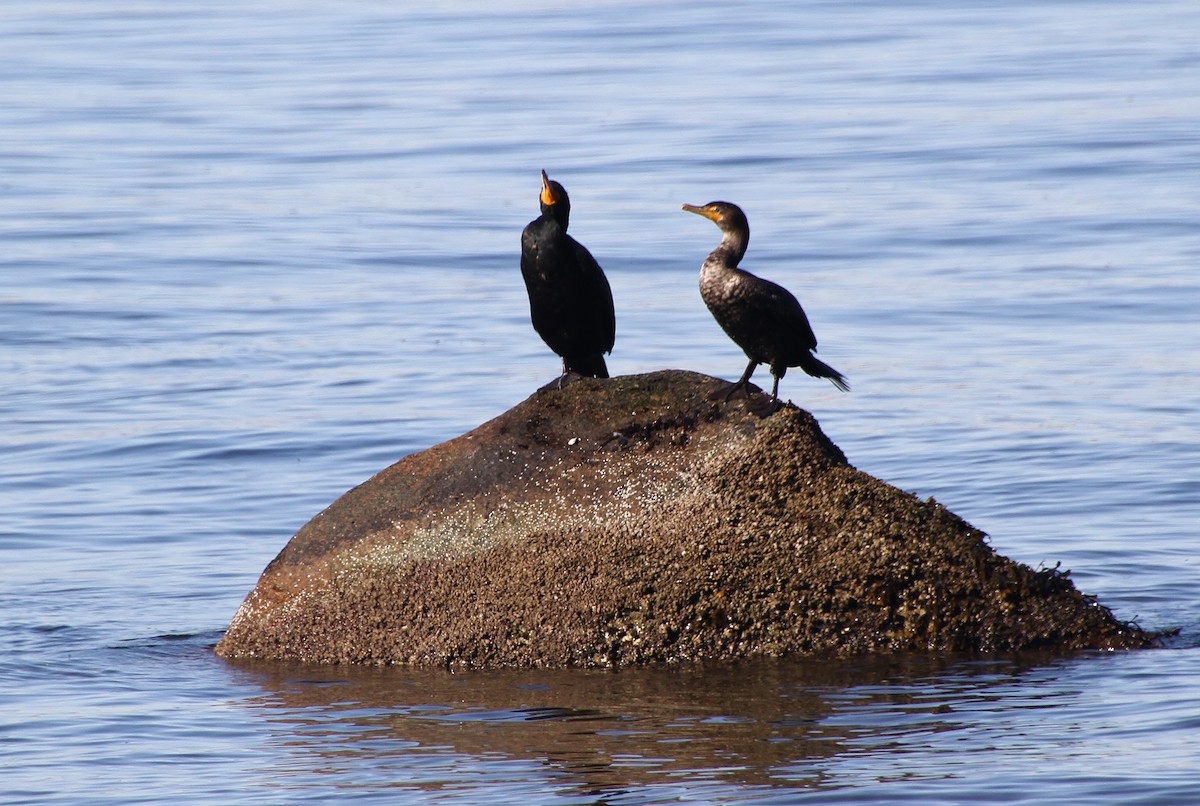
(707, 212)
(547, 194)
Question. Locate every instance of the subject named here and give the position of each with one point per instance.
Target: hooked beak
(707, 212)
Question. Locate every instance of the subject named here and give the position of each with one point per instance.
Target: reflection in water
(596, 734)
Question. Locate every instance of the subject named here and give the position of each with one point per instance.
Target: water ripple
(256, 253)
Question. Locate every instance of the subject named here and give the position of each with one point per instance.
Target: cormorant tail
(590, 366)
(819, 369)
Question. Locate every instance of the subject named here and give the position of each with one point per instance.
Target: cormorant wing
(783, 312)
(599, 294)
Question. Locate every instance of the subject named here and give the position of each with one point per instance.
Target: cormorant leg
(765, 409)
(743, 381)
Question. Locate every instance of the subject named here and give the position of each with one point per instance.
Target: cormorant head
(555, 201)
(726, 215)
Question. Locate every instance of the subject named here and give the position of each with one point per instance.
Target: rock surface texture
(642, 519)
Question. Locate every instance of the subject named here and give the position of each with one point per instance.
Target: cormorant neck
(732, 247)
(559, 212)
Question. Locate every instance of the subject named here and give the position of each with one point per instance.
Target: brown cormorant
(763, 318)
(570, 302)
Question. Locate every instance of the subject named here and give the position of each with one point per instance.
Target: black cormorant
(763, 318)
(570, 302)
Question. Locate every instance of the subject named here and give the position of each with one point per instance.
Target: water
(255, 252)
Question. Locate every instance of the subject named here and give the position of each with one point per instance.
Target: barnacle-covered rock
(643, 519)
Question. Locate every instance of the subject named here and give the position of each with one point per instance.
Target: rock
(642, 519)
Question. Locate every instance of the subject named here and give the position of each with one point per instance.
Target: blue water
(255, 252)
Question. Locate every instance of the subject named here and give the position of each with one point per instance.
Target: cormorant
(762, 318)
(570, 302)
